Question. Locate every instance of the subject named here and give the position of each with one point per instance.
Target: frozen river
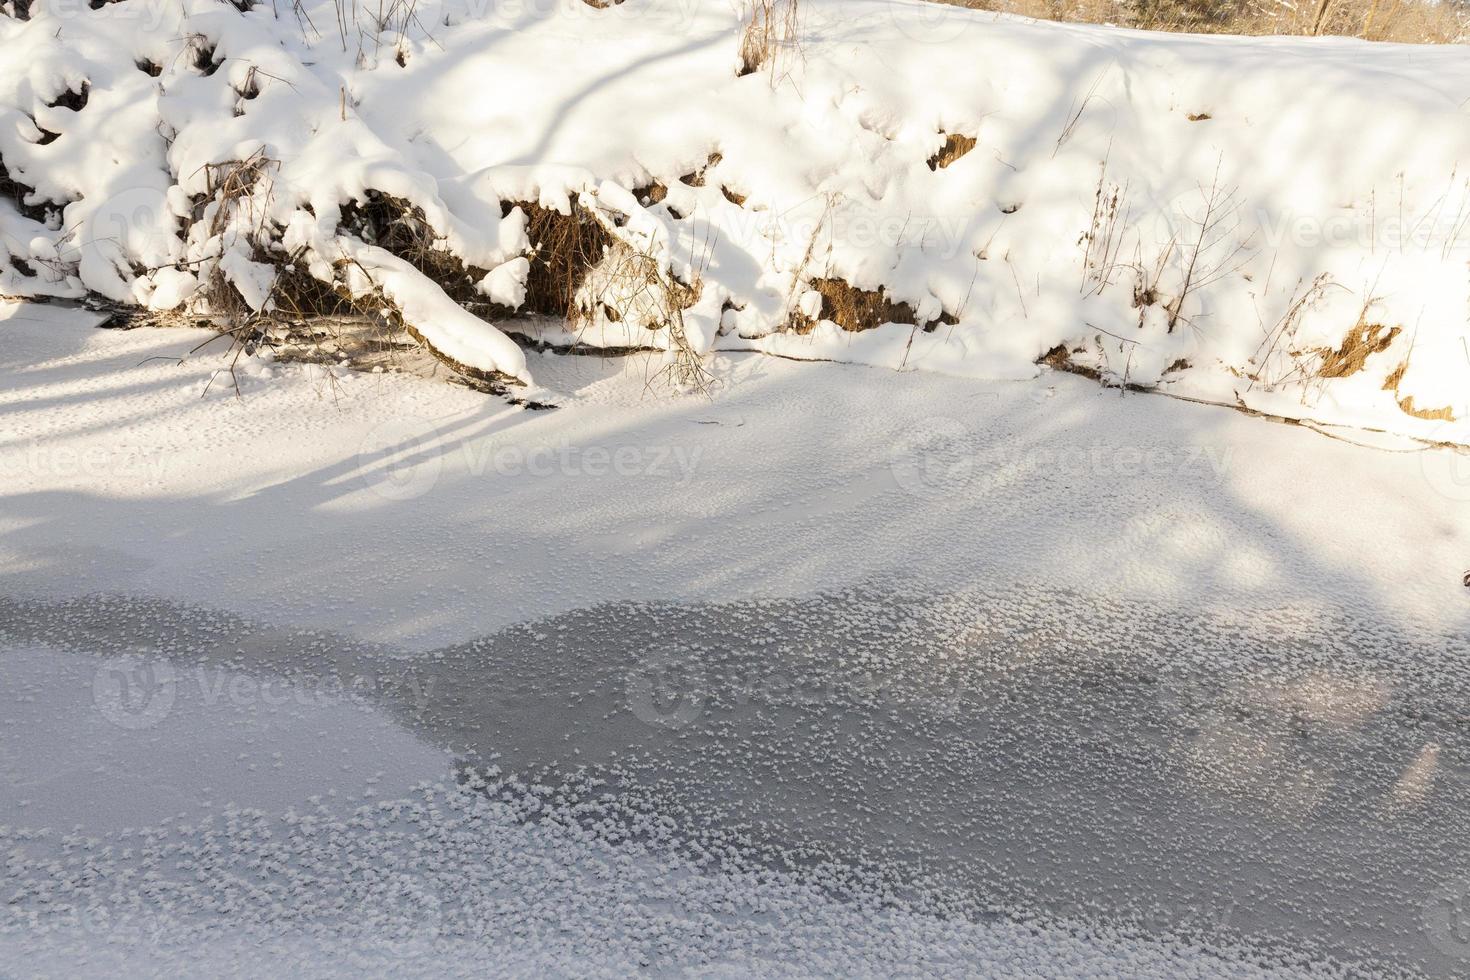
(1268, 784)
(834, 672)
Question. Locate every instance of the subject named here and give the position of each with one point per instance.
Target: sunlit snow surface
(831, 699)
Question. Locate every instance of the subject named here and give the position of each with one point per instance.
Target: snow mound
(1275, 223)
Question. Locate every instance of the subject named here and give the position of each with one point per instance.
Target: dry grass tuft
(1103, 239)
(1060, 359)
(631, 285)
(564, 248)
(696, 179)
(227, 203)
(651, 194)
(1445, 414)
(397, 226)
(1406, 402)
(955, 146)
(306, 314)
(229, 187)
(855, 309)
(1362, 342)
(1410, 21)
(770, 30)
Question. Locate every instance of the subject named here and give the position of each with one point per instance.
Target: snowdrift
(1275, 223)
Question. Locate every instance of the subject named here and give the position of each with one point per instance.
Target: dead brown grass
(1060, 359)
(855, 309)
(1362, 342)
(397, 226)
(1409, 21)
(564, 248)
(696, 179)
(651, 194)
(228, 203)
(771, 29)
(955, 146)
(632, 284)
(1445, 414)
(1406, 402)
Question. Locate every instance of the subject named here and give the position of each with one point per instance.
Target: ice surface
(947, 677)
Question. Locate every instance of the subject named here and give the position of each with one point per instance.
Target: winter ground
(1276, 222)
(839, 670)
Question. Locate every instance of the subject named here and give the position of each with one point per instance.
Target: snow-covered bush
(1277, 223)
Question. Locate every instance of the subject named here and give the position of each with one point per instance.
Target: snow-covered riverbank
(1276, 222)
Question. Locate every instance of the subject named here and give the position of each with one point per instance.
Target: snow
(933, 661)
(1329, 162)
(1181, 503)
(460, 876)
(1020, 678)
(457, 333)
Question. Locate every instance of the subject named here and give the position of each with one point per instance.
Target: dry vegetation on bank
(1408, 21)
